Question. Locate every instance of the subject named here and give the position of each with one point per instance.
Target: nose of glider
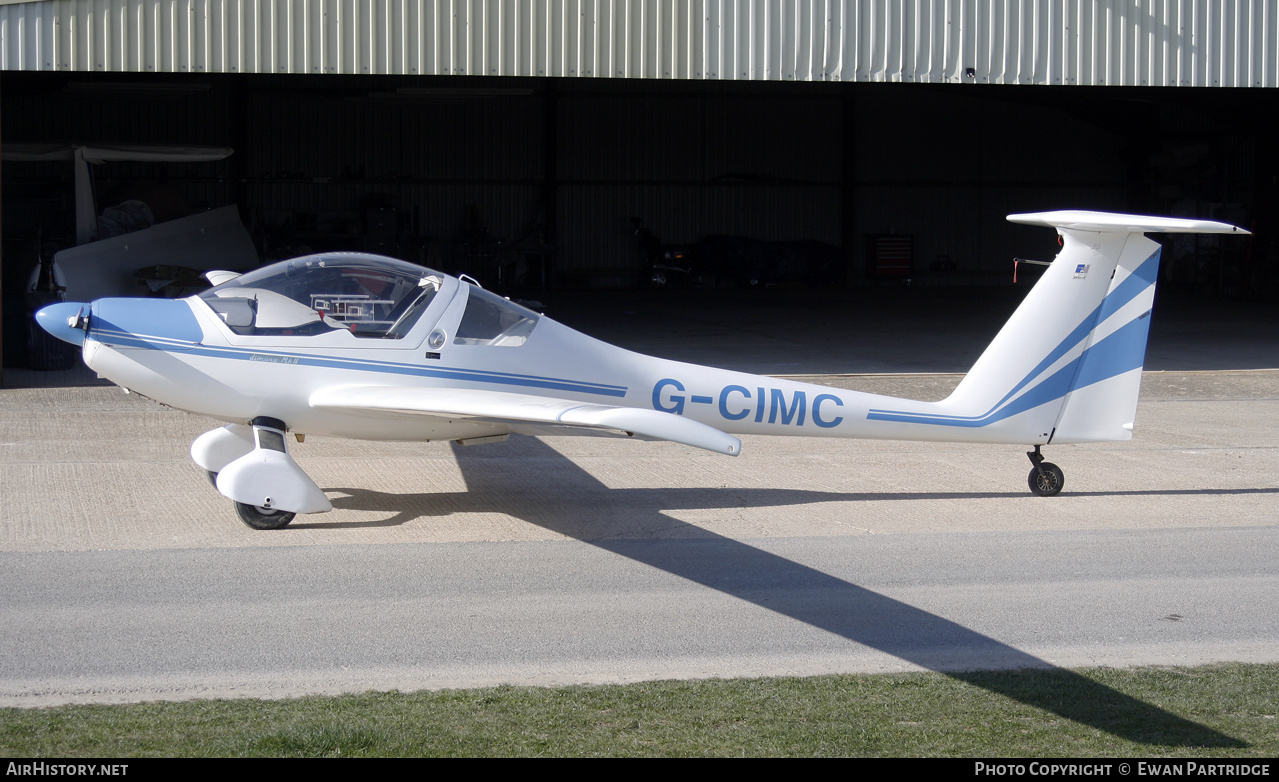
(65, 320)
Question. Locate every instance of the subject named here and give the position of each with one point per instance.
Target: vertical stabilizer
(1101, 401)
(1067, 365)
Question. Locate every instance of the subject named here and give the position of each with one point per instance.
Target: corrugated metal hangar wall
(770, 120)
(1080, 42)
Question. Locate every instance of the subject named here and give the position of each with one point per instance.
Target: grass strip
(1214, 711)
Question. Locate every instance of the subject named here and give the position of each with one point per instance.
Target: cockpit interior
(369, 296)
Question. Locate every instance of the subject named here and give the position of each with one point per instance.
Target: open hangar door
(531, 183)
(953, 159)
(844, 163)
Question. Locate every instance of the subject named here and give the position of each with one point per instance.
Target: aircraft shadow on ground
(773, 582)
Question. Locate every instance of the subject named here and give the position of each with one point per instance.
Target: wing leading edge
(503, 408)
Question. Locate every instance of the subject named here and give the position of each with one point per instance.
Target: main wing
(515, 409)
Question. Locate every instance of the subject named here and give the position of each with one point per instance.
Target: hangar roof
(1203, 43)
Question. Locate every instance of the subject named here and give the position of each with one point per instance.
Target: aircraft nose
(65, 320)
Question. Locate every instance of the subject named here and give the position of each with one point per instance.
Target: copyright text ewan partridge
(1140, 768)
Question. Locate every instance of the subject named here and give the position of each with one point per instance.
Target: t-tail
(1066, 368)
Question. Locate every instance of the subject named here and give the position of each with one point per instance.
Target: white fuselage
(235, 378)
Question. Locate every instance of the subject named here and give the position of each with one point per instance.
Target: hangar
(544, 145)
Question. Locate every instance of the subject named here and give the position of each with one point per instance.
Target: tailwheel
(1046, 479)
(259, 517)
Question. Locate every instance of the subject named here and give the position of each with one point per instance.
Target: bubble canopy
(368, 295)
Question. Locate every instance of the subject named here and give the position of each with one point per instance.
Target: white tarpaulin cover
(209, 240)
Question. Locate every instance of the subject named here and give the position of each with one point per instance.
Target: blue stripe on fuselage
(1120, 352)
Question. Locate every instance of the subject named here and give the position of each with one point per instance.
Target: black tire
(1047, 483)
(213, 478)
(262, 518)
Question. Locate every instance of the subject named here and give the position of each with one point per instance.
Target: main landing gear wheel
(258, 517)
(1046, 480)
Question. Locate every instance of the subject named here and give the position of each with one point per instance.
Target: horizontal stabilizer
(1109, 222)
(503, 408)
